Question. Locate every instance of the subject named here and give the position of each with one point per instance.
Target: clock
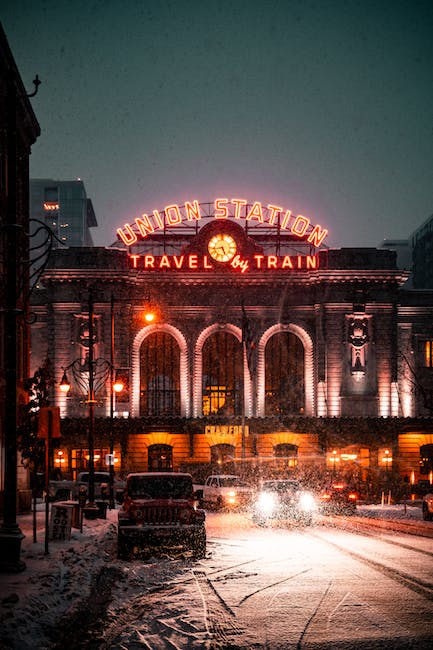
(222, 247)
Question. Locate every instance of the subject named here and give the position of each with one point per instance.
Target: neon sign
(194, 262)
(271, 215)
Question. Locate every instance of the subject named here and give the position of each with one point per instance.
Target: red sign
(194, 262)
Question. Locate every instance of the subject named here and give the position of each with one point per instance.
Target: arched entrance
(160, 458)
(426, 460)
(286, 456)
(222, 458)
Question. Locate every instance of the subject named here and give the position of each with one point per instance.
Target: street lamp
(387, 460)
(333, 460)
(97, 372)
(102, 369)
(116, 386)
(91, 375)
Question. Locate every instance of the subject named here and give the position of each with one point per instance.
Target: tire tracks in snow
(220, 619)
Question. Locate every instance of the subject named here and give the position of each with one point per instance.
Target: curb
(422, 529)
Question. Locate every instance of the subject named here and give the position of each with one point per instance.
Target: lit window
(428, 362)
(284, 375)
(51, 199)
(160, 376)
(222, 372)
(49, 206)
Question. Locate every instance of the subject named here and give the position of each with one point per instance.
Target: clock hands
(222, 247)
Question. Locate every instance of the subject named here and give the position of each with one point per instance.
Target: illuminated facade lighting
(319, 342)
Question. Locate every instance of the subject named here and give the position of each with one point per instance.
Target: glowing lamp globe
(118, 386)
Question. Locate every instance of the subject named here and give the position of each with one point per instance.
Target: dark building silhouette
(19, 129)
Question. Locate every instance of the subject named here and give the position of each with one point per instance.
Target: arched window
(160, 458)
(222, 375)
(222, 458)
(286, 456)
(426, 461)
(159, 375)
(284, 375)
(222, 454)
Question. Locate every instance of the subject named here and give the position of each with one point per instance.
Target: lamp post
(92, 366)
(334, 459)
(90, 376)
(116, 386)
(387, 460)
(111, 465)
(101, 370)
(91, 506)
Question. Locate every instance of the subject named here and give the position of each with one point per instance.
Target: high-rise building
(65, 208)
(415, 254)
(422, 254)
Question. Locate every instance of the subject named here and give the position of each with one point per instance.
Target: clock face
(222, 247)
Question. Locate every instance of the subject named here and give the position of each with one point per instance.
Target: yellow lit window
(428, 354)
(49, 206)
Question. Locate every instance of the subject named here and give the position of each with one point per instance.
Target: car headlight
(231, 497)
(266, 502)
(306, 501)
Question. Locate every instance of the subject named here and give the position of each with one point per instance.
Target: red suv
(160, 510)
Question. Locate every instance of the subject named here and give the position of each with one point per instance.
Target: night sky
(323, 107)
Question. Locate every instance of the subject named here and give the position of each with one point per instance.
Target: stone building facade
(268, 352)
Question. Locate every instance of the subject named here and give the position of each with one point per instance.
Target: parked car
(64, 490)
(160, 510)
(283, 499)
(337, 499)
(427, 507)
(224, 491)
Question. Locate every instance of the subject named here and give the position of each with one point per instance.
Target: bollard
(82, 498)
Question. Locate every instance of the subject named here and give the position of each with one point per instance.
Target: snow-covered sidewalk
(397, 511)
(52, 586)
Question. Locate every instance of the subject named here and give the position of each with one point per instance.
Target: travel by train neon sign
(195, 262)
(272, 215)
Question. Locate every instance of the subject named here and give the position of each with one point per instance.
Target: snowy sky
(321, 107)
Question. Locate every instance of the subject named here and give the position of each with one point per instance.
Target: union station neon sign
(222, 246)
(174, 215)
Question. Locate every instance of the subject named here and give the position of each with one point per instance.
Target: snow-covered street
(280, 587)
